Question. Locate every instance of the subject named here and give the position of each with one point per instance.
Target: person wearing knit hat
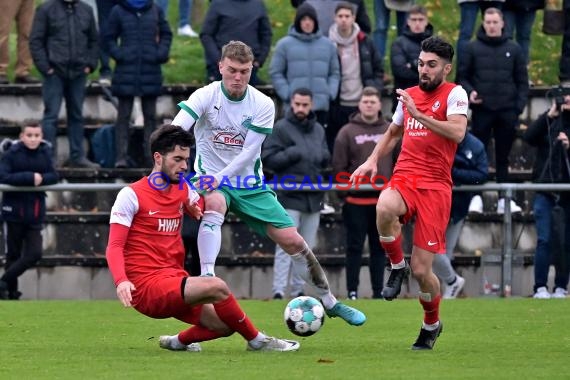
(305, 58)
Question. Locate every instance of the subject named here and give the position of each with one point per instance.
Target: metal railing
(508, 190)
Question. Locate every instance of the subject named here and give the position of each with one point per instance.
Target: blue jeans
(468, 14)
(542, 208)
(54, 90)
(184, 9)
(380, 34)
(522, 22)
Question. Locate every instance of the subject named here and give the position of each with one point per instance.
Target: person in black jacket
(28, 162)
(138, 38)
(64, 47)
(360, 66)
(406, 49)
(495, 76)
(297, 149)
(243, 20)
(549, 134)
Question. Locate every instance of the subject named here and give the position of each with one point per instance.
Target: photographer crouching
(549, 134)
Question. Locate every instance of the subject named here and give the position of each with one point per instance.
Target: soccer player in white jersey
(146, 256)
(231, 120)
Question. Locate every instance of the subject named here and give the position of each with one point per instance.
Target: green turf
(482, 339)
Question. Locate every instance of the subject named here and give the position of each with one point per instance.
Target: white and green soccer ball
(304, 315)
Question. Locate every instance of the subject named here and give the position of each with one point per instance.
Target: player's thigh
(203, 290)
(390, 204)
(421, 261)
(432, 217)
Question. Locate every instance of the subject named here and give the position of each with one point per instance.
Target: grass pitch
(482, 339)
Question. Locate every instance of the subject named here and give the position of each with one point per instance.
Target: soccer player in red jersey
(431, 119)
(146, 255)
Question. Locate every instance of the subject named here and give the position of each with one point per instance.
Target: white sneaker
(542, 293)
(501, 207)
(559, 293)
(167, 342)
(451, 291)
(476, 204)
(274, 344)
(327, 209)
(187, 31)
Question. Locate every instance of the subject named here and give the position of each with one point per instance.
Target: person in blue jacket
(28, 162)
(138, 38)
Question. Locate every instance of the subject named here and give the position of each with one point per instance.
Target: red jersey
(426, 157)
(154, 218)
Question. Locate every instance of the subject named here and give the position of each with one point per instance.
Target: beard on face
(430, 85)
(301, 115)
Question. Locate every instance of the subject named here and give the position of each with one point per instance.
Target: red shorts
(161, 297)
(431, 209)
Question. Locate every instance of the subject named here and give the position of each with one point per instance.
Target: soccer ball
(304, 316)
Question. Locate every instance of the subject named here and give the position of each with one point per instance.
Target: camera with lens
(558, 93)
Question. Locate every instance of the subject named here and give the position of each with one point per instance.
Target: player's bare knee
(419, 270)
(215, 202)
(219, 288)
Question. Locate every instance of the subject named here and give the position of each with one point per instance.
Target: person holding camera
(549, 134)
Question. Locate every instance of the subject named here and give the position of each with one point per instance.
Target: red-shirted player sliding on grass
(431, 119)
(146, 255)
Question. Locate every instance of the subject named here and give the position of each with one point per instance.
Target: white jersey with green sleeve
(222, 124)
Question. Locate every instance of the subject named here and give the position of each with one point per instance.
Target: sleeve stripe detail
(183, 106)
(266, 131)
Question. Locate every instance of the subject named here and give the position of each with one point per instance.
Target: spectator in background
(353, 144)
(406, 50)
(326, 13)
(103, 12)
(519, 16)
(21, 11)
(64, 47)
(549, 134)
(138, 38)
(244, 20)
(382, 12)
(304, 58)
(468, 17)
(470, 167)
(184, 13)
(297, 149)
(28, 162)
(492, 62)
(360, 66)
(565, 54)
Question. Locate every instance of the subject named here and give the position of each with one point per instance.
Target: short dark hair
(32, 123)
(439, 47)
(165, 139)
(237, 51)
(345, 5)
(371, 91)
(492, 11)
(303, 91)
